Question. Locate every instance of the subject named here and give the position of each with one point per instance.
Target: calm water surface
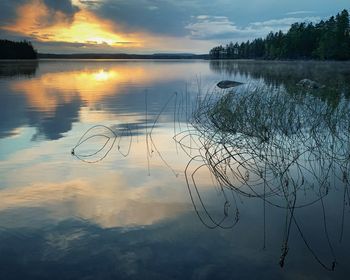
(120, 207)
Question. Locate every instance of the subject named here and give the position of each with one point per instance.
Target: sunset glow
(87, 28)
(36, 20)
(149, 26)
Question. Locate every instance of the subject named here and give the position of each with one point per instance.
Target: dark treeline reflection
(20, 68)
(336, 74)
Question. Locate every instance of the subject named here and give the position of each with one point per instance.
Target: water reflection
(332, 74)
(289, 151)
(65, 92)
(109, 205)
(245, 164)
(18, 68)
(48, 91)
(59, 121)
(12, 105)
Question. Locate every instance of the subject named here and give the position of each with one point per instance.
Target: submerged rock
(309, 84)
(228, 84)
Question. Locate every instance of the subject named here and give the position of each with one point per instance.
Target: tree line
(17, 50)
(326, 40)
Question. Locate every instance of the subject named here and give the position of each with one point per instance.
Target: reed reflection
(289, 151)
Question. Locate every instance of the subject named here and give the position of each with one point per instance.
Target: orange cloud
(36, 20)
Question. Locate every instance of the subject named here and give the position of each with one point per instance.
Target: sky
(152, 26)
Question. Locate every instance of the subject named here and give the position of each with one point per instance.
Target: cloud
(175, 18)
(300, 13)
(50, 11)
(90, 3)
(148, 16)
(154, 23)
(66, 23)
(153, 8)
(63, 47)
(64, 6)
(206, 27)
(211, 27)
(35, 15)
(8, 10)
(284, 23)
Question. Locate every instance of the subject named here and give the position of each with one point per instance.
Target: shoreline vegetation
(17, 50)
(325, 40)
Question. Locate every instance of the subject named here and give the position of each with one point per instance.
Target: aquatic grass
(256, 141)
(268, 144)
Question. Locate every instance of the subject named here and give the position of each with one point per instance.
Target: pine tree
(328, 39)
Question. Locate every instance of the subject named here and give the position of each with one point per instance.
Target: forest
(325, 40)
(17, 50)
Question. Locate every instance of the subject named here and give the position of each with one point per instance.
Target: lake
(145, 169)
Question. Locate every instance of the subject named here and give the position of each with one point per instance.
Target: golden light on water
(103, 75)
(49, 90)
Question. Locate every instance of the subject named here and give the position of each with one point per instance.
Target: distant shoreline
(122, 56)
(151, 57)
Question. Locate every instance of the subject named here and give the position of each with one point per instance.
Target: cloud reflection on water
(105, 200)
(57, 95)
